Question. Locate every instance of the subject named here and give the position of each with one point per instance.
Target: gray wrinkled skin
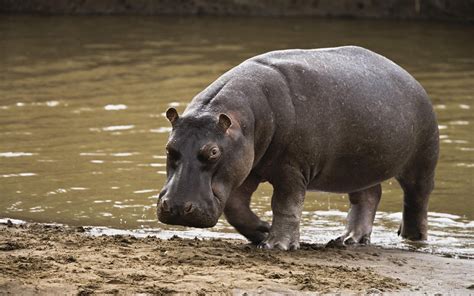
(337, 120)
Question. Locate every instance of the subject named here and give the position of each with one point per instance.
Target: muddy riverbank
(45, 259)
(460, 10)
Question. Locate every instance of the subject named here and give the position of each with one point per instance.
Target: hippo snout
(178, 210)
(188, 213)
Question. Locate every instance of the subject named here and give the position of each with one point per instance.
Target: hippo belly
(358, 117)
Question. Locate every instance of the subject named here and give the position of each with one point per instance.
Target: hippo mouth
(191, 214)
(201, 222)
(218, 201)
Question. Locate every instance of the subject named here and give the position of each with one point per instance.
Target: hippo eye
(214, 152)
(209, 153)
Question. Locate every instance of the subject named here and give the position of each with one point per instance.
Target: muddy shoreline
(460, 10)
(47, 259)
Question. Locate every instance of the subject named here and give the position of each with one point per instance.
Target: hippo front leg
(239, 215)
(287, 206)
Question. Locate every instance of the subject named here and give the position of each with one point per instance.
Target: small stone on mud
(373, 291)
(10, 246)
(10, 223)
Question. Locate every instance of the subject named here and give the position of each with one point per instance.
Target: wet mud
(39, 259)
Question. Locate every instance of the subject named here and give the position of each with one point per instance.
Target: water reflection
(82, 127)
(15, 154)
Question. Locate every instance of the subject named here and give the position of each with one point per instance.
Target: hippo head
(207, 157)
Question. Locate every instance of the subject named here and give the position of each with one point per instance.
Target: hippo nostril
(188, 208)
(165, 206)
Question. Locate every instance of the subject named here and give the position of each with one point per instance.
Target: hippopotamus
(337, 120)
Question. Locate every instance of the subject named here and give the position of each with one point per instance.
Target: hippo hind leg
(417, 182)
(416, 191)
(239, 214)
(360, 217)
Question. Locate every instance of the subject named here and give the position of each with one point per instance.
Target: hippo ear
(224, 122)
(172, 115)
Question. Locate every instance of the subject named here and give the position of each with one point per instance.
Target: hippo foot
(258, 234)
(349, 240)
(279, 242)
(413, 234)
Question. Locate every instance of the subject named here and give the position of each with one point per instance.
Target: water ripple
(16, 154)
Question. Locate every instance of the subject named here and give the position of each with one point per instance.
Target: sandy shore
(44, 259)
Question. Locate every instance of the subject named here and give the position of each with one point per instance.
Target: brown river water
(82, 131)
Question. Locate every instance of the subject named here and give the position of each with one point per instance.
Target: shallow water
(82, 131)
